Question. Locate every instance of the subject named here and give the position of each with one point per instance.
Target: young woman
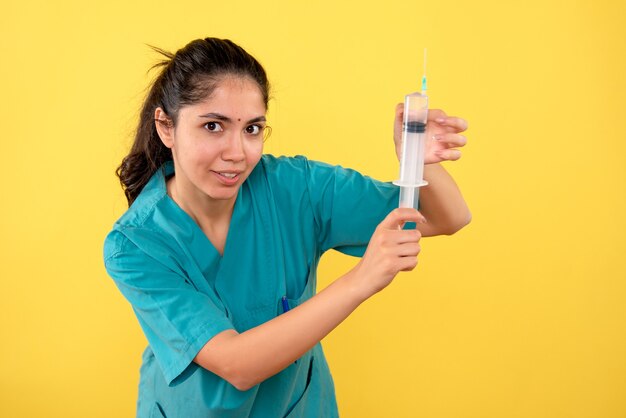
(218, 251)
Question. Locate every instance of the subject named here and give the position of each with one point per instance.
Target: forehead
(233, 96)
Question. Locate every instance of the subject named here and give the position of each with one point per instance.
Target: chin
(223, 194)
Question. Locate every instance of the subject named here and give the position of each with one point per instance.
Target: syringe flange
(405, 184)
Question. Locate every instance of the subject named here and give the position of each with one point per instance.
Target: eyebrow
(224, 118)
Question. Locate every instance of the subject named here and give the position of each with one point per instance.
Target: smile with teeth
(228, 177)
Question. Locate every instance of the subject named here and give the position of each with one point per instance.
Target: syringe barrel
(409, 197)
(413, 148)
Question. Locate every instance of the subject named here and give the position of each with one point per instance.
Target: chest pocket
(307, 293)
(267, 307)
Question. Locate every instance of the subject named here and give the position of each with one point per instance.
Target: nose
(234, 149)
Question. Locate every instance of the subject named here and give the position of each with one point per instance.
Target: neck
(209, 214)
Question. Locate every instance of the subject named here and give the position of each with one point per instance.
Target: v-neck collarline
(168, 170)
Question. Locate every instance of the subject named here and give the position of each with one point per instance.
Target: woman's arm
(441, 203)
(248, 358)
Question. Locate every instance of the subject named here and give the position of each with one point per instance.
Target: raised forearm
(441, 203)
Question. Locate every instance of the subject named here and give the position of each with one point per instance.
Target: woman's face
(217, 142)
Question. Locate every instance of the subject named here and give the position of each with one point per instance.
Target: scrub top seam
(121, 247)
(128, 244)
(318, 223)
(142, 216)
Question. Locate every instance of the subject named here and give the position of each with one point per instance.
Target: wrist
(357, 284)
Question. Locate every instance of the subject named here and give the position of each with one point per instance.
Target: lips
(227, 178)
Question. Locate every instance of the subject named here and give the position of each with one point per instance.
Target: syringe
(413, 146)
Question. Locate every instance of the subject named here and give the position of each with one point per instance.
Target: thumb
(398, 217)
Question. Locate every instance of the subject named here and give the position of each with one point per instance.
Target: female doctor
(218, 251)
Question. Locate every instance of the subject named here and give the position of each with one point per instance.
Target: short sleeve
(176, 317)
(347, 206)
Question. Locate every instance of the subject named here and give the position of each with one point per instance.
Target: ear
(165, 127)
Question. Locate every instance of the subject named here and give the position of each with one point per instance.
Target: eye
(254, 129)
(213, 127)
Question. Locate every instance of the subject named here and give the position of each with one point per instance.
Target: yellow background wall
(521, 314)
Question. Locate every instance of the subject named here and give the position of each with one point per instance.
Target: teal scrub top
(287, 214)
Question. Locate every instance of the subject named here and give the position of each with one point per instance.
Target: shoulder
(151, 196)
(298, 174)
(272, 164)
(280, 173)
(295, 169)
(292, 173)
(140, 222)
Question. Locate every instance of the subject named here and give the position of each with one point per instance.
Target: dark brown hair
(187, 77)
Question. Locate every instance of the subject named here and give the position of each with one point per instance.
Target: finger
(434, 114)
(397, 123)
(458, 124)
(400, 216)
(399, 110)
(401, 236)
(454, 140)
(399, 114)
(408, 235)
(409, 250)
(403, 215)
(408, 263)
(449, 154)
